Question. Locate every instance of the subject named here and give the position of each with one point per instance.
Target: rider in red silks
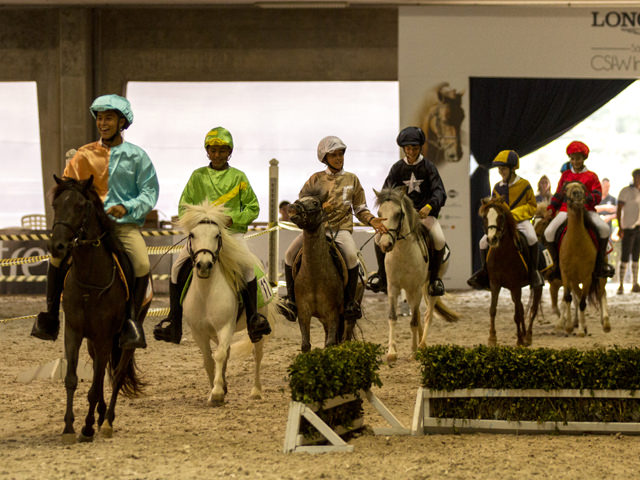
(578, 152)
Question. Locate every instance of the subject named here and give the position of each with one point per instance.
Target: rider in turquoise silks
(219, 184)
(519, 196)
(126, 182)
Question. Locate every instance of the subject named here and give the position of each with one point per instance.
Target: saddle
(336, 256)
(562, 230)
(427, 248)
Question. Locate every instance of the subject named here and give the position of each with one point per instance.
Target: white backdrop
(452, 44)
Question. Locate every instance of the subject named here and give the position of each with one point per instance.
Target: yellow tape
(153, 312)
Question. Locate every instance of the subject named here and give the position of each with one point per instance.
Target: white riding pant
(525, 226)
(344, 240)
(248, 273)
(601, 227)
(435, 231)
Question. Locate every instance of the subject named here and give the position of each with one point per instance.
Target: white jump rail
(295, 442)
(423, 422)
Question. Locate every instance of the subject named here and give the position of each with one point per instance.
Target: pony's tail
(124, 372)
(596, 291)
(445, 311)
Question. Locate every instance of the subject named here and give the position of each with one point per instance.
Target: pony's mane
(68, 183)
(234, 258)
(499, 204)
(317, 192)
(398, 196)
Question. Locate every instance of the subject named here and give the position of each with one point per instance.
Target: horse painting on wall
(440, 117)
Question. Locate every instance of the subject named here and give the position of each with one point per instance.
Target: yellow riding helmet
(506, 158)
(218, 136)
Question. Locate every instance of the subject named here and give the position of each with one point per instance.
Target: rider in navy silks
(425, 188)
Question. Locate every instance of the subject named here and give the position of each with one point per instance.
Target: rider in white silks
(578, 152)
(219, 184)
(345, 198)
(519, 196)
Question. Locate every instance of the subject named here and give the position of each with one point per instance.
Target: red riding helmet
(578, 147)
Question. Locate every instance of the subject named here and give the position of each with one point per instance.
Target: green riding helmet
(113, 102)
(506, 158)
(218, 136)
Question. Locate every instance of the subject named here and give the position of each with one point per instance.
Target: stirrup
(166, 332)
(46, 326)
(436, 288)
(288, 310)
(132, 335)
(352, 311)
(375, 283)
(259, 327)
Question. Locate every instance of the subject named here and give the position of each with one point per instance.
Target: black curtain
(525, 114)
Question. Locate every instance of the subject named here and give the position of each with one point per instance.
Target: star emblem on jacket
(413, 184)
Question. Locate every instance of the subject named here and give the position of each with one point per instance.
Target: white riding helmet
(328, 145)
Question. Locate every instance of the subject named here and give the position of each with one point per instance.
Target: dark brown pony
(441, 125)
(94, 302)
(506, 268)
(319, 286)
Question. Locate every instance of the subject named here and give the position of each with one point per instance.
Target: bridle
(76, 239)
(396, 233)
(214, 255)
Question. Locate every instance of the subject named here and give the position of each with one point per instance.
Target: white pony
(406, 266)
(211, 306)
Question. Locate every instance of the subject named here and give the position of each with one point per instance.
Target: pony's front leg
(204, 344)
(221, 356)
(72, 341)
(564, 324)
(493, 309)
(518, 316)
(304, 321)
(392, 297)
(256, 390)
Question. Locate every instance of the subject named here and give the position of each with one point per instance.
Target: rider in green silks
(518, 194)
(219, 184)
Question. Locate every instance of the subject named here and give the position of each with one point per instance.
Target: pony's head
(307, 212)
(401, 216)
(575, 195)
(497, 220)
(210, 243)
(79, 216)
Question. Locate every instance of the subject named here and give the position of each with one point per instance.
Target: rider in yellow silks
(220, 184)
(519, 195)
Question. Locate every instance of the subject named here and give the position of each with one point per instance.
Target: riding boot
(257, 324)
(554, 273)
(352, 309)
(377, 282)
(290, 310)
(480, 279)
(170, 328)
(602, 268)
(47, 324)
(535, 279)
(436, 287)
(132, 335)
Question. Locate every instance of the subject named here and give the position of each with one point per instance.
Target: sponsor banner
(441, 48)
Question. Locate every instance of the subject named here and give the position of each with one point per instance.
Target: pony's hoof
(255, 394)
(606, 328)
(68, 438)
(82, 438)
(215, 401)
(392, 357)
(106, 431)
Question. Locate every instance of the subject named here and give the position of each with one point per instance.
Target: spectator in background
(544, 190)
(628, 213)
(607, 206)
(284, 211)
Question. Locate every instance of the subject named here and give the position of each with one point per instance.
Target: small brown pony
(94, 303)
(577, 258)
(507, 268)
(319, 287)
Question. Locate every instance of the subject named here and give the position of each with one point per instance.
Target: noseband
(214, 255)
(76, 239)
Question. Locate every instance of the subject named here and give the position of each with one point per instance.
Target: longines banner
(441, 48)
